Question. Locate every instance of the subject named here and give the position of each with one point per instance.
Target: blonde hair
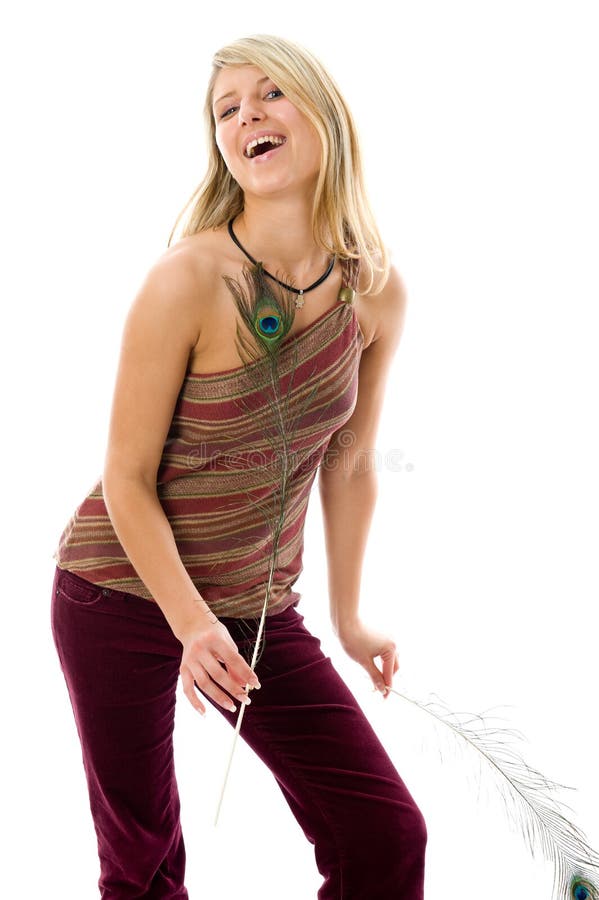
(342, 221)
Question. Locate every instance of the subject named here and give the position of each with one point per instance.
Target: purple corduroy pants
(121, 663)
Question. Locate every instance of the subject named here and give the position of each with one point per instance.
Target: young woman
(162, 568)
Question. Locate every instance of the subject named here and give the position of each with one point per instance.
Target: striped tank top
(219, 477)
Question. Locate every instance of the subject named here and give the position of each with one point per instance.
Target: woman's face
(247, 105)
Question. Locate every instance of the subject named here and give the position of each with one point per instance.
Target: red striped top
(220, 473)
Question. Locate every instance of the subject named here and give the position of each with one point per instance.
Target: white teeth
(273, 139)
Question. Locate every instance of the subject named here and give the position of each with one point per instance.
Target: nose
(249, 110)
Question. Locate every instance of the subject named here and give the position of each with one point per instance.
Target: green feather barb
(265, 315)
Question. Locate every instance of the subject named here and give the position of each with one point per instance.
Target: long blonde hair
(342, 221)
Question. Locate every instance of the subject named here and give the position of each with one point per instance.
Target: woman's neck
(280, 235)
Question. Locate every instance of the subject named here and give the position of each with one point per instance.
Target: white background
(477, 121)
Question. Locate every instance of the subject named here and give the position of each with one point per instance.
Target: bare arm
(347, 479)
(160, 330)
(347, 506)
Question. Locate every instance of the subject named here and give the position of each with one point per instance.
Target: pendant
(346, 295)
(299, 300)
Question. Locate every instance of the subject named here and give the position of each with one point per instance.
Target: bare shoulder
(189, 266)
(160, 332)
(384, 313)
(181, 282)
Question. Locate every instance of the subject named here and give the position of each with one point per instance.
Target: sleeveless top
(219, 478)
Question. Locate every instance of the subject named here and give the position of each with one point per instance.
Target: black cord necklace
(300, 291)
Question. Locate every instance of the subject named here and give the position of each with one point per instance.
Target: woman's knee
(415, 830)
(393, 831)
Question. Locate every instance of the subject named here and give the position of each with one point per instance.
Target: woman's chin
(268, 183)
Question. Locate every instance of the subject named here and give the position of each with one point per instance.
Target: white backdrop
(478, 125)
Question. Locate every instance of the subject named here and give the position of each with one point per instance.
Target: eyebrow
(231, 93)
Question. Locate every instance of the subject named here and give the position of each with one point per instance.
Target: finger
(205, 684)
(388, 671)
(376, 676)
(390, 664)
(237, 668)
(246, 685)
(189, 691)
(221, 676)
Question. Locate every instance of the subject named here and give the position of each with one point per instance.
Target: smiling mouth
(264, 148)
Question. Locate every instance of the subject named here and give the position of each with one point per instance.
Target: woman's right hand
(206, 645)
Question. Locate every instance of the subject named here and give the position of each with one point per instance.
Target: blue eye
(227, 111)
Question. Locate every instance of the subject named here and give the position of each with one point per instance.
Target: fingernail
(233, 708)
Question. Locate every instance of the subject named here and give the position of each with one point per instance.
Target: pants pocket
(75, 589)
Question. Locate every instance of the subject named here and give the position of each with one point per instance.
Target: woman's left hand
(363, 644)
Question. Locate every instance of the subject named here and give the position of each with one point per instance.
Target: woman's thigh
(119, 658)
(330, 765)
(121, 663)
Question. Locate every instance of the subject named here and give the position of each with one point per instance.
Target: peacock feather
(267, 314)
(525, 790)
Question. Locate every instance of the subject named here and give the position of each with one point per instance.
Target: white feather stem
(243, 705)
(273, 560)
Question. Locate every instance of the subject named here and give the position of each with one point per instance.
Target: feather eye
(581, 889)
(268, 321)
(268, 313)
